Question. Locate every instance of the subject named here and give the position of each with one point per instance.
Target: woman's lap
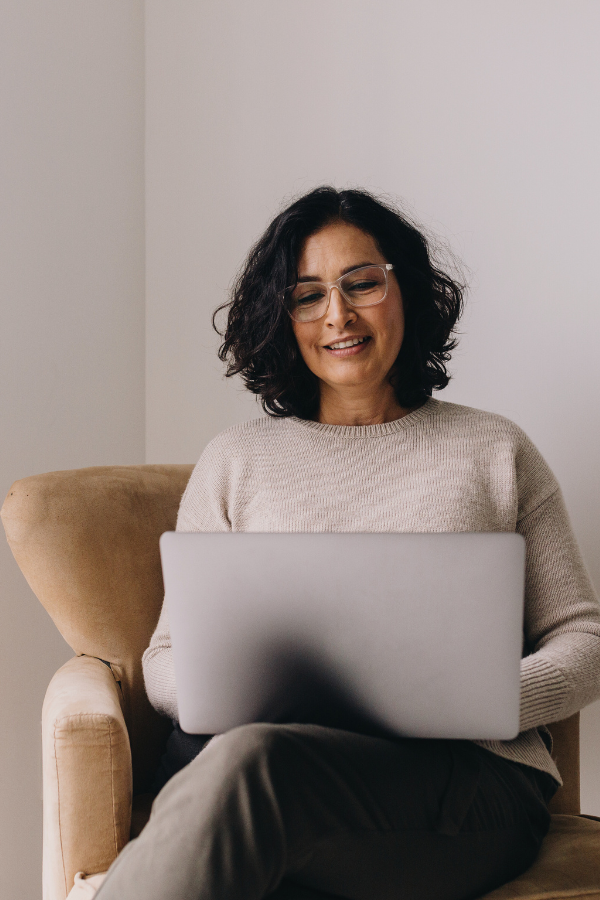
(334, 813)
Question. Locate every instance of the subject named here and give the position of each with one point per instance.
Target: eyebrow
(359, 265)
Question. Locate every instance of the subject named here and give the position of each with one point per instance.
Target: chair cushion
(568, 865)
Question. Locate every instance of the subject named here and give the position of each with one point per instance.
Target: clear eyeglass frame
(328, 285)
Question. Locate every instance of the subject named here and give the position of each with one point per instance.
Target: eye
(361, 286)
(306, 297)
(367, 280)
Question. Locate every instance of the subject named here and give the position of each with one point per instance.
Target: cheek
(391, 324)
(396, 323)
(305, 339)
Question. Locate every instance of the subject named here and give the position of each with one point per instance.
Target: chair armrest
(87, 774)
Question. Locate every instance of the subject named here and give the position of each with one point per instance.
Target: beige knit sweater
(441, 468)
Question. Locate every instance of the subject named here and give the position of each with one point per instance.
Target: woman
(342, 325)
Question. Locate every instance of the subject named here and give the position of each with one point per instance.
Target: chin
(345, 382)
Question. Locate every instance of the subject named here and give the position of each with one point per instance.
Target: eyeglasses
(309, 300)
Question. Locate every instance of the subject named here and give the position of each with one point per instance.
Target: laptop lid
(419, 634)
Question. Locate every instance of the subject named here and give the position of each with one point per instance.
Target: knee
(251, 744)
(261, 750)
(243, 754)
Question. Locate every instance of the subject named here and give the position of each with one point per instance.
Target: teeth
(343, 344)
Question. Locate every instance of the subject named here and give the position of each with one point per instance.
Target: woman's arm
(159, 674)
(562, 620)
(203, 507)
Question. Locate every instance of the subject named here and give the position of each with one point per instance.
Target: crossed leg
(304, 811)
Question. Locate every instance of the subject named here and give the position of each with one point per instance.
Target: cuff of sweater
(544, 692)
(159, 680)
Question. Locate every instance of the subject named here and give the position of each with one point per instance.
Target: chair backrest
(565, 737)
(87, 542)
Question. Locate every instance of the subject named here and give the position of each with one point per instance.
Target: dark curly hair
(259, 342)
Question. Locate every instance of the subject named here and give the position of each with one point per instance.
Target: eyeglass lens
(362, 287)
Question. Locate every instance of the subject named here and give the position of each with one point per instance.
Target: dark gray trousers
(300, 812)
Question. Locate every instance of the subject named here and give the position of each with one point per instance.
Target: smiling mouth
(342, 345)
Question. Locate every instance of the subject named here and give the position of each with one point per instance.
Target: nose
(339, 313)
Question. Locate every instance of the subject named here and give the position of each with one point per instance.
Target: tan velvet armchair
(87, 542)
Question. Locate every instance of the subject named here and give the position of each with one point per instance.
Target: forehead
(327, 252)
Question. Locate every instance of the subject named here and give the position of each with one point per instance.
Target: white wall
(481, 116)
(72, 323)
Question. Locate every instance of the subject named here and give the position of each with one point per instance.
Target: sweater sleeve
(203, 507)
(561, 674)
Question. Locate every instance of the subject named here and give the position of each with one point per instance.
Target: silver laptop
(417, 635)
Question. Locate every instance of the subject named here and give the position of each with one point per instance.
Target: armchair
(87, 542)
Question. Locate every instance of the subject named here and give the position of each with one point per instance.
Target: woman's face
(362, 369)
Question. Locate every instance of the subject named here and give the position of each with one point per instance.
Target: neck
(354, 408)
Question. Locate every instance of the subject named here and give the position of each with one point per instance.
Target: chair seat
(568, 865)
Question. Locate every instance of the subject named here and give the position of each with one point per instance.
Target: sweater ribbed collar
(370, 431)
